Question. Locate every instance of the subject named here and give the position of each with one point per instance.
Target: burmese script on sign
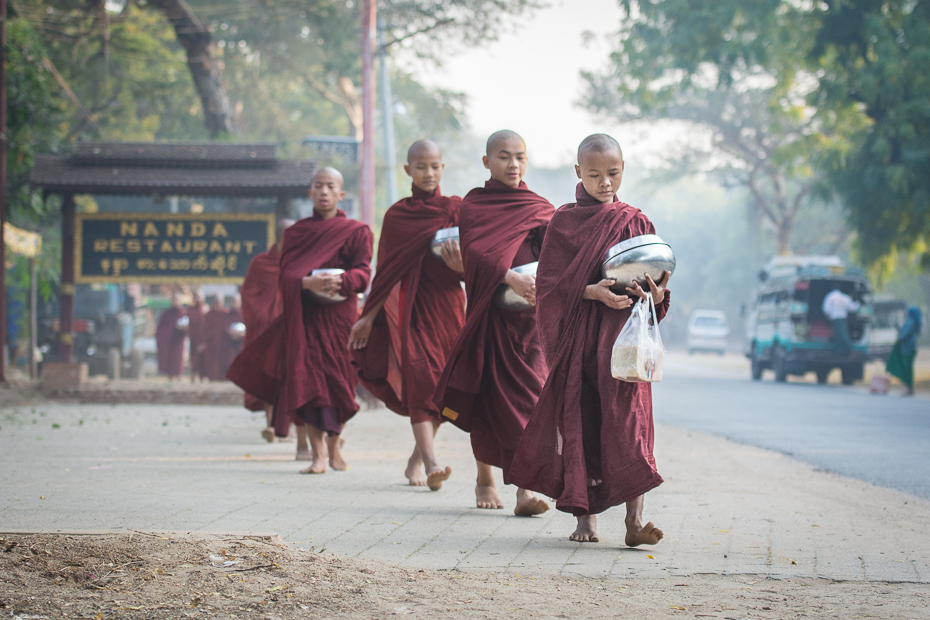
(168, 248)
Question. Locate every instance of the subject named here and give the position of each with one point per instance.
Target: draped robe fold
(169, 343)
(496, 368)
(262, 303)
(589, 443)
(424, 309)
(302, 360)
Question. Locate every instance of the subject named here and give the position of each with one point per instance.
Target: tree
(737, 70)
(875, 57)
(201, 59)
(317, 42)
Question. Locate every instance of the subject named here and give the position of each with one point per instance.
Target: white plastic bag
(638, 352)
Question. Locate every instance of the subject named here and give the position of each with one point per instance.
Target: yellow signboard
(168, 247)
(21, 241)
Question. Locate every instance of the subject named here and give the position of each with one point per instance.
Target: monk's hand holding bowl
(325, 284)
(452, 255)
(523, 284)
(657, 290)
(361, 332)
(601, 292)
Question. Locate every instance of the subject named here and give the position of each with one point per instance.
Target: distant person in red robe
(169, 340)
(232, 343)
(195, 330)
(414, 311)
(589, 443)
(301, 362)
(215, 324)
(262, 303)
(496, 368)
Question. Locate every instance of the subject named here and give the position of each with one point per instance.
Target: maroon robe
(302, 360)
(424, 309)
(589, 442)
(262, 303)
(197, 334)
(496, 368)
(220, 349)
(169, 343)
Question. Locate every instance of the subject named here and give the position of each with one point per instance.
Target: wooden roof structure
(174, 169)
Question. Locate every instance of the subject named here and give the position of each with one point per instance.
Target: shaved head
(422, 147)
(499, 137)
(329, 171)
(599, 143)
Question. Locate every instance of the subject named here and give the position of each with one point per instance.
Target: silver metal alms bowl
(629, 260)
(236, 331)
(335, 298)
(506, 298)
(442, 235)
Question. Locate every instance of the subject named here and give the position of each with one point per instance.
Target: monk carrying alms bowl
(628, 261)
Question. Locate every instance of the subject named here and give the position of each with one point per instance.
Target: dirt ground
(169, 575)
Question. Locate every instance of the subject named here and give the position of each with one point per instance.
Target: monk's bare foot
(303, 455)
(586, 530)
(649, 534)
(416, 477)
(486, 497)
(338, 463)
(528, 504)
(434, 480)
(268, 435)
(317, 467)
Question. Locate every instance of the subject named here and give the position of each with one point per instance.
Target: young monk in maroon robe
(301, 361)
(215, 324)
(414, 311)
(496, 368)
(195, 330)
(261, 305)
(169, 340)
(589, 443)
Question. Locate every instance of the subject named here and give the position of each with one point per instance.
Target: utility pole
(3, 347)
(367, 172)
(387, 116)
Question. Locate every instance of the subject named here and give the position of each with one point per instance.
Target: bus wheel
(823, 374)
(756, 367)
(852, 373)
(779, 365)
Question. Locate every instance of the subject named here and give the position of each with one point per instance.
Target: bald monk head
(600, 166)
(216, 302)
(506, 157)
(279, 232)
(326, 191)
(234, 302)
(424, 165)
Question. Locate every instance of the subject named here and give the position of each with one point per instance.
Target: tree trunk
(204, 67)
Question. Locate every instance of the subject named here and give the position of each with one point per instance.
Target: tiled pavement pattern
(725, 508)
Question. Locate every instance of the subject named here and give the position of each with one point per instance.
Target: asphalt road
(884, 440)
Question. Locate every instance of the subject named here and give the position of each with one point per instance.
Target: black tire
(823, 374)
(756, 367)
(852, 373)
(778, 364)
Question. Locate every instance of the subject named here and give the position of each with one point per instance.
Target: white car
(708, 331)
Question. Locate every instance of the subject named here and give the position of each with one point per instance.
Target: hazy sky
(529, 80)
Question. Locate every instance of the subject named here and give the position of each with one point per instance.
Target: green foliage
(876, 62)
(736, 70)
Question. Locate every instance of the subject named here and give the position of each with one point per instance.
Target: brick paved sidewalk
(725, 508)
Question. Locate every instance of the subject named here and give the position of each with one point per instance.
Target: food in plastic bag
(638, 352)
